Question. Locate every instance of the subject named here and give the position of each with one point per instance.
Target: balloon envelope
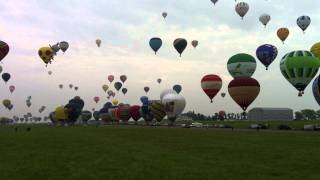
(211, 85)
(241, 65)
(4, 50)
(155, 44)
(177, 88)
(6, 77)
(266, 54)
(180, 45)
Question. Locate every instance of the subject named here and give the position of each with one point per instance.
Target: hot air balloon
(49, 72)
(283, 34)
(110, 78)
(174, 105)
(96, 99)
(159, 80)
(155, 44)
(264, 19)
(267, 53)
(110, 93)
(46, 54)
(76, 88)
(135, 112)
(241, 65)
(124, 91)
(157, 110)
(28, 103)
(180, 45)
(4, 50)
(42, 108)
(117, 85)
(115, 102)
(96, 115)
(124, 112)
(194, 43)
(167, 91)
(315, 49)
(242, 8)
(60, 114)
(86, 116)
(6, 77)
(164, 15)
(105, 87)
(303, 22)
(223, 95)
(64, 46)
(60, 86)
(123, 78)
(177, 88)
(12, 88)
(98, 42)
(70, 86)
(316, 89)
(244, 91)
(1, 69)
(146, 89)
(55, 48)
(211, 85)
(6, 103)
(144, 100)
(214, 1)
(299, 68)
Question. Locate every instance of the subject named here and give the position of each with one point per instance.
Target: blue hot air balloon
(144, 100)
(177, 88)
(155, 44)
(266, 53)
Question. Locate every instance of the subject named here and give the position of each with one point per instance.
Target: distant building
(270, 114)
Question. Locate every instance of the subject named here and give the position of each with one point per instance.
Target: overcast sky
(125, 28)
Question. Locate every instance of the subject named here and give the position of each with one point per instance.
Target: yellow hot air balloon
(105, 87)
(6, 103)
(283, 33)
(115, 102)
(46, 54)
(315, 49)
(60, 114)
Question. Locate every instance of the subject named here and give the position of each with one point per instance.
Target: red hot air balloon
(124, 112)
(135, 112)
(211, 85)
(4, 50)
(244, 91)
(96, 99)
(110, 78)
(12, 88)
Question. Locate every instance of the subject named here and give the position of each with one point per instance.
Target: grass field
(157, 153)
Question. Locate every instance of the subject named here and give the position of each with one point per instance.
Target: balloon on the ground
(242, 65)
(180, 45)
(266, 54)
(4, 50)
(135, 112)
(303, 22)
(177, 88)
(283, 34)
(167, 91)
(96, 115)
(174, 105)
(155, 44)
(86, 116)
(144, 100)
(299, 68)
(124, 112)
(242, 8)
(60, 114)
(211, 85)
(264, 19)
(244, 91)
(157, 110)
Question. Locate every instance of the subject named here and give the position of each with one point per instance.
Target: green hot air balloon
(180, 45)
(242, 65)
(299, 68)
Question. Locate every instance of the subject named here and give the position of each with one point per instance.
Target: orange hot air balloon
(244, 91)
(283, 34)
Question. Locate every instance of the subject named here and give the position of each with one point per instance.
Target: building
(270, 114)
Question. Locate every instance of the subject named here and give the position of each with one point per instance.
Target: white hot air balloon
(264, 19)
(167, 91)
(242, 8)
(303, 22)
(174, 105)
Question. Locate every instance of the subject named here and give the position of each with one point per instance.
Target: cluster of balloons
(48, 52)
(179, 44)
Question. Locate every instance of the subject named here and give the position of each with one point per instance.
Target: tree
(298, 115)
(310, 114)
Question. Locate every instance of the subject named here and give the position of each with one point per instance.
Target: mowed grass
(119, 152)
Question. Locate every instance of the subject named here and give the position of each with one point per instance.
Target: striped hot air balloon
(244, 91)
(157, 110)
(211, 85)
(124, 112)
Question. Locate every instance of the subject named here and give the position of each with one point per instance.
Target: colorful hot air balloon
(110, 78)
(315, 49)
(124, 112)
(124, 91)
(96, 99)
(299, 68)
(6, 77)
(105, 87)
(244, 91)
(146, 89)
(123, 78)
(211, 85)
(12, 88)
(98, 42)
(180, 45)
(64, 46)
(135, 112)
(117, 85)
(303, 22)
(144, 100)
(264, 19)
(46, 54)
(194, 43)
(164, 15)
(177, 88)
(155, 44)
(316, 89)
(267, 53)
(6, 103)
(242, 8)
(283, 34)
(214, 1)
(242, 65)
(157, 110)
(4, 50)
(158, 80)
(115, 102)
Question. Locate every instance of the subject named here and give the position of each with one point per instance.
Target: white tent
(270, 114)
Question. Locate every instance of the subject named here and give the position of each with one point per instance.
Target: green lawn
(157, 153)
